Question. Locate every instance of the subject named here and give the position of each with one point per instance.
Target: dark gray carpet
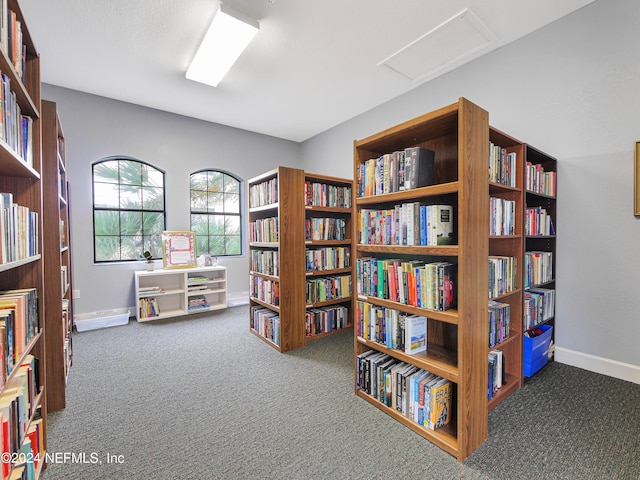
(202, 398)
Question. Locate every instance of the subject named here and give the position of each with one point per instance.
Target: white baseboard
(237, 299)
(605, 366)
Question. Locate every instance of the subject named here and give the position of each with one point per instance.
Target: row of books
(502, 165)
(325, 229)
(198, 302)
(265, 261)
(502, 216)
(328, 288)
(148, 307)
(266, 323)
(406, 169)
(11, 39)
(15, 129)
(264, 230)
(391, 328)
(326, 319)
(407, 224)
(496, 372)
(502, 275)
(538, 180)
(327, 258)
(21, 423)
(264, 193)
(426, 285)
(19, 324)
(538, 268)
(538, 222)
(417, 394)
(325, 195)
(18, 230)
(539, 306)
(499, 322)
(264, 289)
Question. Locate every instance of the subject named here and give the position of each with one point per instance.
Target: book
(439, 404)
(419, 167)
(442, 228)
(415, 334)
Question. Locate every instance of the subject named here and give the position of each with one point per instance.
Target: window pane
(202, 244)
(231, 203)
(106, 222)
(105, 195)
(130, 197)
(231, 185)
(153, 198)
(216, 182)
(106, 172)
(130, 223)
(153, 223)
(199, 181)
(131, 248)
(151, 177)
(216, 245)
(233, 245)
(216, 202)
(231, 225)
(130, 172)
(198, 201)
(152, 244)
(216, 224)
(200, 224)
(107, 248)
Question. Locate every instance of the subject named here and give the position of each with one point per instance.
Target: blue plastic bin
(536, 350)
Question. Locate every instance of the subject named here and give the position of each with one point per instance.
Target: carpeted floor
(201, 398)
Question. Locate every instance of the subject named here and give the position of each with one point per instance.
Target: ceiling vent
(449, 43)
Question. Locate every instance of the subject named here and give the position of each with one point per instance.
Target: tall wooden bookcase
(57, 257)
(21, 176)
(457, 338)
(510, 244)
(540, 192)
(279, 280)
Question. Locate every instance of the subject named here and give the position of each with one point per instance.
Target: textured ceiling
(312, 66)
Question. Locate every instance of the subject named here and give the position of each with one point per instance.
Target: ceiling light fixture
(229, 34)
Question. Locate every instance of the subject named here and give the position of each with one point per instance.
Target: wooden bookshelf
(543, 195)
(328, 202)
(57, 257)
(21, 175)
(285, 196)
(509, 244)
(457, 338)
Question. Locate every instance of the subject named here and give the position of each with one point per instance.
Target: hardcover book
(419, 167)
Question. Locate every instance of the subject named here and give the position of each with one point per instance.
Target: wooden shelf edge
(448, 316)
(266, 340)
(316, 336)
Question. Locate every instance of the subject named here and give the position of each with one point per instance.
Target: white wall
(571, 89)
(97, 127)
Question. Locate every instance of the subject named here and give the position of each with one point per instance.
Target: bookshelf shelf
(22, 183)
(302, 199)
(165, 293)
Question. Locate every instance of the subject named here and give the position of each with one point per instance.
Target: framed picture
(178, 249)
(636, 181)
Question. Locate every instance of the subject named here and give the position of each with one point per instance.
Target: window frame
(240, 214)
(119, 209)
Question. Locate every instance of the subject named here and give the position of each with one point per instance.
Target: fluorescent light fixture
(229, 34)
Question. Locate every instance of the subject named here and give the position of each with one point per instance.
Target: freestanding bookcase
(57, 257)
(21, 267)
(290, 303)
(457, 338)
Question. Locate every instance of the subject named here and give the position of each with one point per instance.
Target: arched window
(216, 213)
(128, 209)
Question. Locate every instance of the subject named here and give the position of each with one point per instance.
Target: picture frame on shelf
(178, 249)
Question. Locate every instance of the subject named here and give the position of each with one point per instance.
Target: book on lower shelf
(419, 395)
(148, 307)
(198, 302)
